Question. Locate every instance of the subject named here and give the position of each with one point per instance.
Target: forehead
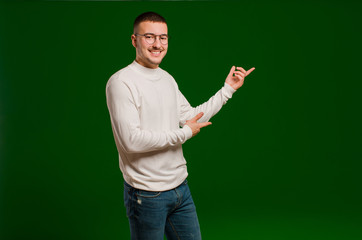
(152, 27)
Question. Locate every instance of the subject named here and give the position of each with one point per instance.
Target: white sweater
(147, 110)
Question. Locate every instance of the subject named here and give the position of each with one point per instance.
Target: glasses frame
(154, 35)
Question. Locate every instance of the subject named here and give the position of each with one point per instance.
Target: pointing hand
(236, 76)
(195, 126)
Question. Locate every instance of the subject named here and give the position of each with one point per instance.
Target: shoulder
(121, 77)
(169, 77)
(166, 74)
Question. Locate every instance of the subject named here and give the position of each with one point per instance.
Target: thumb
(204, 124)
(232, 70)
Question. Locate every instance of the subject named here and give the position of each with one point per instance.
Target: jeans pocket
(147, 194)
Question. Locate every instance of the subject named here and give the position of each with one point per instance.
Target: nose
(157, 42)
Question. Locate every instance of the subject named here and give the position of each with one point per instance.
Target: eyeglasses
(151, 38)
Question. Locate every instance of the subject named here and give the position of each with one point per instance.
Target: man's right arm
(126, 124)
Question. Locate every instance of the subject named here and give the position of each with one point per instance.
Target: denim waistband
(128, 185)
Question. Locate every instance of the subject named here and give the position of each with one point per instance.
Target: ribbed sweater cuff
(188, 132)
(228, 90)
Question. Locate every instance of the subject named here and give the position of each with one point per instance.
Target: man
(147, 110)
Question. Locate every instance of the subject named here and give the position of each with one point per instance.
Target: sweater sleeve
(128, 134)
(209, 108)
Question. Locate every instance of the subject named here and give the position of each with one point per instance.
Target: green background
(282, 159)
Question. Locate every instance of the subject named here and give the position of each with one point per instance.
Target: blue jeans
(153, 214)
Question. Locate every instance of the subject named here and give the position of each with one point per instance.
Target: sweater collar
(149, 73)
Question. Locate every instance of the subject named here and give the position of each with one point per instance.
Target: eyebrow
(155, 34)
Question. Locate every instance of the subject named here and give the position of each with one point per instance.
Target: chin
(154, 61)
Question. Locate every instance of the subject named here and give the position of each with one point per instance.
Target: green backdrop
(282, 159)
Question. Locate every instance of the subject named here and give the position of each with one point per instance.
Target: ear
(133, 38)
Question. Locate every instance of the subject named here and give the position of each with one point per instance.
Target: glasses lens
(150, 39)
(164, 39)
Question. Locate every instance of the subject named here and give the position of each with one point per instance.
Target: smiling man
(151, 119)
(149, 53)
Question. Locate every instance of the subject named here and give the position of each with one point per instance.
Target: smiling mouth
(155, 53)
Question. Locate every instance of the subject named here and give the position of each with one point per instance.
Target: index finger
(250, 70)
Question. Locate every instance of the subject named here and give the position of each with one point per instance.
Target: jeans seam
(179, 200)
(173, 228)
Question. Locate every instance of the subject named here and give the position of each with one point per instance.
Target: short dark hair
(148, 16)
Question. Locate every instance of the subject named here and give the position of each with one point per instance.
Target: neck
(152, 66)
(149, 73)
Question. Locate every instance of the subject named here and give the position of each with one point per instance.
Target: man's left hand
(236, 77)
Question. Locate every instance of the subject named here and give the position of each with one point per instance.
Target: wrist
(188, 132)
(228, 90)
